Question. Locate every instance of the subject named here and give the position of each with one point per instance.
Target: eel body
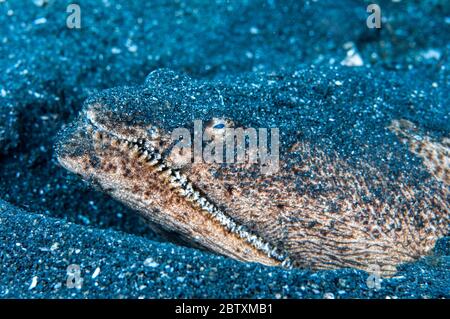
(354, 185)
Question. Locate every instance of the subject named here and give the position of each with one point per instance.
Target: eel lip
(123, 126)
(74, 147)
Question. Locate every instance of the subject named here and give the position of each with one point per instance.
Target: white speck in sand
(431, 54)
(39, 3)
(352, 59)
(40, 21)
(96, 273)
(254, 30)
(180, 279)
(115, 50)
(133, 48)
(328, 295)
(149, 262)
(33, 282)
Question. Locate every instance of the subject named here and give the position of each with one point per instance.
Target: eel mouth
(146, 149)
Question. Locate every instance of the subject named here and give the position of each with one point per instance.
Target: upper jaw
(76, 144)
(74, 148)
(99, 118)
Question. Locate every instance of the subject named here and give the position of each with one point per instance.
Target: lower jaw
(181, 184)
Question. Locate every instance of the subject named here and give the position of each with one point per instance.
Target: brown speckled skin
(314, 210)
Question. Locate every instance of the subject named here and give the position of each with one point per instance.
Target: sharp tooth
(209, 209)
(153, 162)
(183, 179)
(144, 156)
(160, 167)
(148, 145)
(232, 224)
(189, 188)
(189, 197)
(173, 180)
(167, 172)
(196, 195)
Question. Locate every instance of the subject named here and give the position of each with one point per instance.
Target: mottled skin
(328, 206)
